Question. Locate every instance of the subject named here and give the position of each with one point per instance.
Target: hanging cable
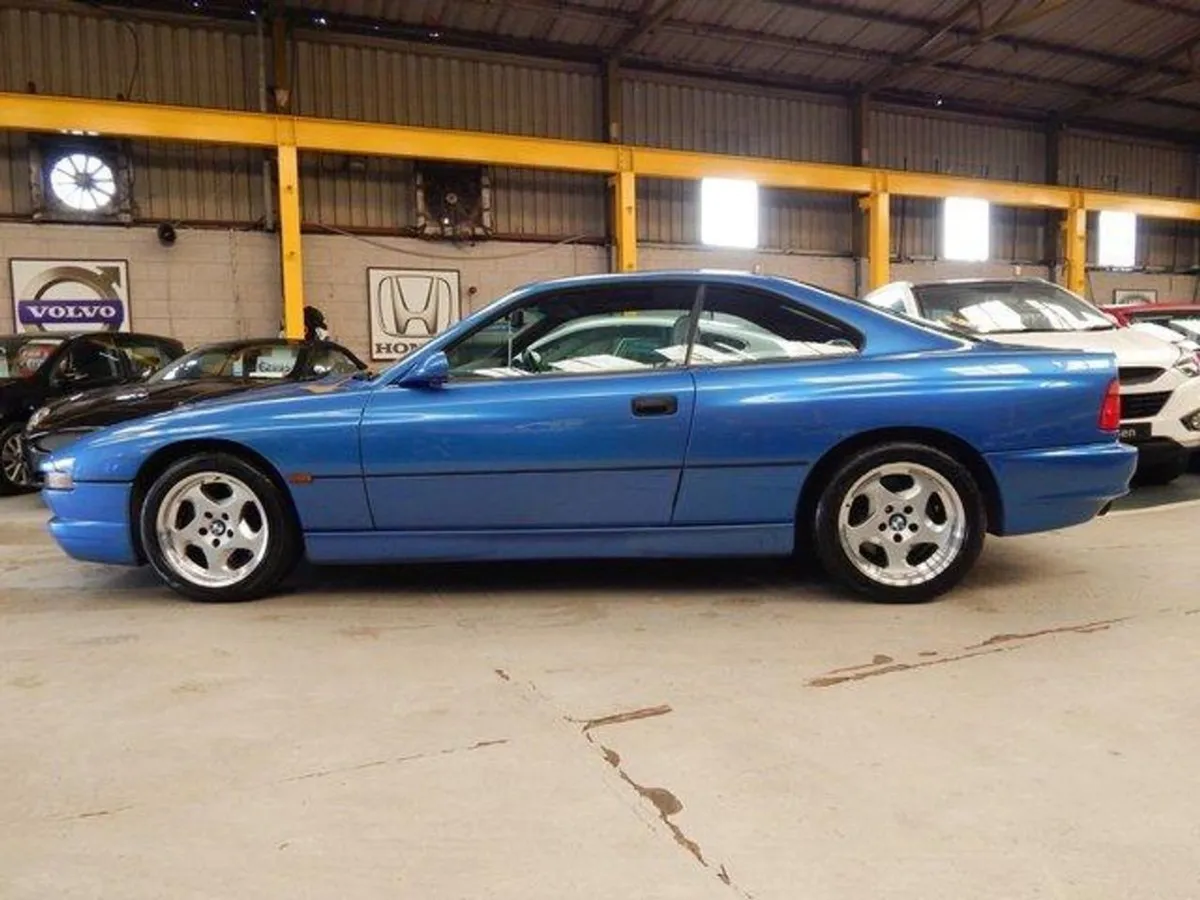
(450, 257)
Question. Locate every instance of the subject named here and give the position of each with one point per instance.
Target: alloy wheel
(902, 524)
(212, 529)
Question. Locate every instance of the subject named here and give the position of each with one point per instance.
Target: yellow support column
(625, 224)
(879, 238)
(289, 241)
(1075, 244)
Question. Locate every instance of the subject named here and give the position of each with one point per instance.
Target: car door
(765, 409)
(586, 442)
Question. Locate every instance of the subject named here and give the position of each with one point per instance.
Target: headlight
(38, 417)
(1188, 364)
(60, 478)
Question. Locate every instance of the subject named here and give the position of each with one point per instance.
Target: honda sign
(408, 307)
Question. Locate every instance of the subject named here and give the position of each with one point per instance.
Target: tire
(868, 506)
(14, 471)
(1161, 473)
(218, 530)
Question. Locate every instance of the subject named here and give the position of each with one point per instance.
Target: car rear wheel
(900, 523)
(14, 470)
(218, 530)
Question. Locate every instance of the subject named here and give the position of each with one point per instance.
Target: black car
(215, 370)
(39, 367)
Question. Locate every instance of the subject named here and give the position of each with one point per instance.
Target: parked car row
(1159, 372)
(56, 388)
(649, 414)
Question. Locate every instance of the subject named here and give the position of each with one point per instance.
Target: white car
(1160, 380)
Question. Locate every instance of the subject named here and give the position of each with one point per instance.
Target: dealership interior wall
(221, 278)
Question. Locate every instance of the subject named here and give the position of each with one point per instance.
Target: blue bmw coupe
(666, 414)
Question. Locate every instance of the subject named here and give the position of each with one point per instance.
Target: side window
(329, 360)
(90, 360)
(624, 328)
(145, 355)
(271, 361)
(738, 325)
(890, 298)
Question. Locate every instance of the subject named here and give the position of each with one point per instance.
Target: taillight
(1110, 410)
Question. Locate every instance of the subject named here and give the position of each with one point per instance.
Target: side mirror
(432, 371)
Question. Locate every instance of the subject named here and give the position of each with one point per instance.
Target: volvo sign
(70, 295)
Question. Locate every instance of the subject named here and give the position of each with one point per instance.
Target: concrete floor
(640, 731)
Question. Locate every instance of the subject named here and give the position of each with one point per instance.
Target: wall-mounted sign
(70, 294)
(409, 307)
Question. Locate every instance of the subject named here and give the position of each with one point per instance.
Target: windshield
(1189, 326)
(1008, 307)
(21, 356)
(249, 361)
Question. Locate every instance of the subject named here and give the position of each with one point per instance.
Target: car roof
(73, 335)
(1002, 279)
(1167, 308)
(238, 343)
(609, 279)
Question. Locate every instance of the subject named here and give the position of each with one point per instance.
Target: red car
(1158, 313)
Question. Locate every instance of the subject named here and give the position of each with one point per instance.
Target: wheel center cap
(218, 528)
(898, 522)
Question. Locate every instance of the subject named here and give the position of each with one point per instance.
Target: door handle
(661, 405)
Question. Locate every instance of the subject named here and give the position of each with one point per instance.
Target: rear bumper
(1042, 490)
(91, 522)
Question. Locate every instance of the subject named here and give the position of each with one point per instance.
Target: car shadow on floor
(567, 576)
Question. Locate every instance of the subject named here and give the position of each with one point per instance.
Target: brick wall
(208, 286)
(335, 273)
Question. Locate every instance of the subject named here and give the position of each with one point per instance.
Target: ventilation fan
(453, 201)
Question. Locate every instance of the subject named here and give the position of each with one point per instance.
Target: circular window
(82, 181)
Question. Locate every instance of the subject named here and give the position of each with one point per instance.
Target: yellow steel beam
(657, 163)
(289, 241)
(625, 227)
(1076, 248)
(31, 112)
(878, 206)
(35, 112)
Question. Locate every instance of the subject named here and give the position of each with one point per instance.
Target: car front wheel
(216, 529)
(900, 523)
(14, 470)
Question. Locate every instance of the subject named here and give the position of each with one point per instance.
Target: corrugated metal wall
(380, 82)
(92, 55)
(668, 112)
(59, 49)
(956, 146)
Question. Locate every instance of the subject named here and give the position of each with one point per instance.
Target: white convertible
(1160, 380)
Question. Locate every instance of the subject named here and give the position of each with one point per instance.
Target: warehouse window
(83, 182)
(1118, 240)
(966, 229)
(728, 213)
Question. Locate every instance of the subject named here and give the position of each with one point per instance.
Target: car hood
(108, 406)
(1132, 348)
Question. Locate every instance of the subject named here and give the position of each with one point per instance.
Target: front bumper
(1168, 424)
(91, 522)
(1043, 490)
